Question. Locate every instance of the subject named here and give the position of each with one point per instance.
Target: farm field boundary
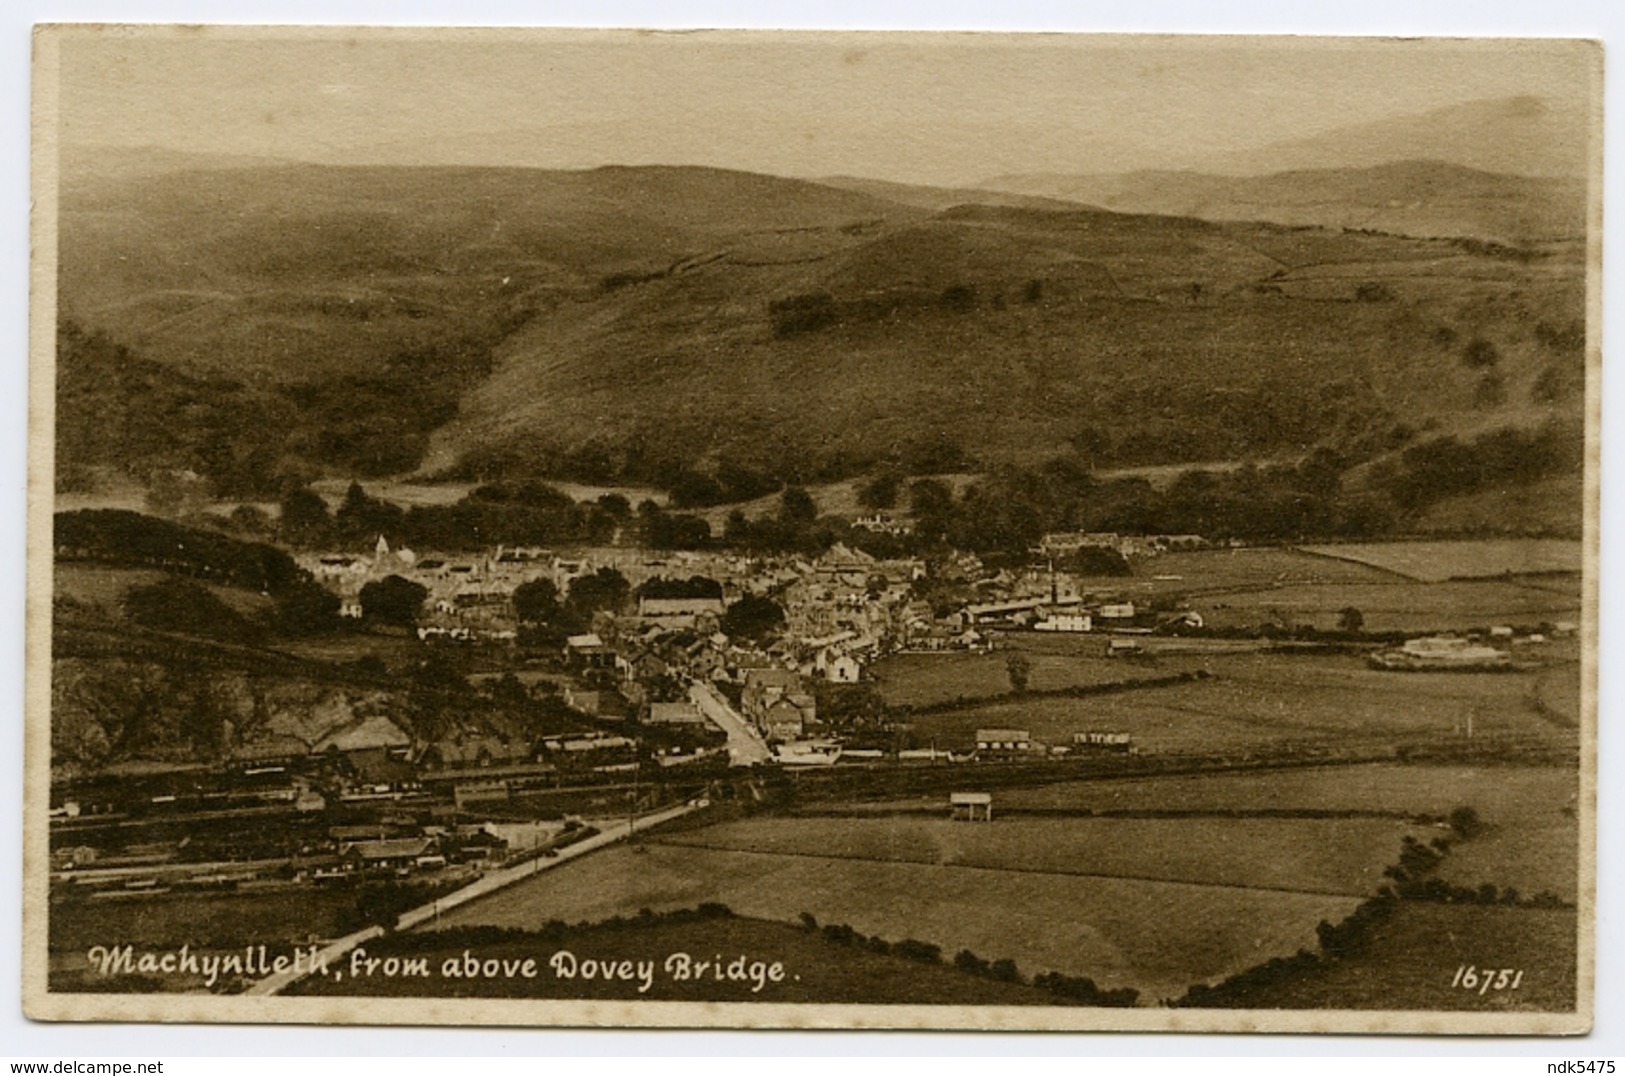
(893, 781)
(1113, 687)
(1038, 871)
(1439, 561)
(1099, 927)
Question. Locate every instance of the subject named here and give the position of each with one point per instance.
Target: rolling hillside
(623, 323)
(1011, 331)
(1522, 136)
(1416, 198)
(299, 272)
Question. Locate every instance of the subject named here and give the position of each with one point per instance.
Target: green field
(815, 970)
(1256, 567)
(1498, 793)
(1057, 662)
(1530, 841)
(1395, 606)
(1433, 562)
(1273, 703)
(1397, 586)
(1152, 904)
(1413, 958)
(1532, 856)
(1343, 857)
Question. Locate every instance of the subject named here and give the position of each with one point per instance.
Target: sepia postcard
(818, 530)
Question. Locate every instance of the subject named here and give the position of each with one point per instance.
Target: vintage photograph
(791, 529)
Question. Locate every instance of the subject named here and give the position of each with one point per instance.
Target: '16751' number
(1483, 980)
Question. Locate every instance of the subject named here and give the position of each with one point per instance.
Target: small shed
(970, 806)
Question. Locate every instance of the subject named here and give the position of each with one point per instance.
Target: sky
(922, 108)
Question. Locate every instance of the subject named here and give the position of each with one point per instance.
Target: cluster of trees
(730, 483)
(496, 514)
(119, 409)
(546, 615)
(1019, 668)
(881, 490)
(115, 536)
(1083, 989)
(795, 527)
(393, 600)
(301, 606)
(841, 934)
(1154, 419)
(651, 457)
(1079, 990)
(752, 617)
(1004, 513)
(1005, 971)
(660, 529)
(1449, 466)
(500, 513)
(1010, 510)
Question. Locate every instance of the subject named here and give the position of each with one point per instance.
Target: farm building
(392, 853)
(674, 713)
(995, 612)
(1004, 740)
(1069, 622)
(650, 608)
(588, 651)
(842, 669)
(970, 806)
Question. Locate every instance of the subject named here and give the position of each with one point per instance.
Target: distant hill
(937, 199)
(1418, 198)
(621, 324)
(1521, 136)
(304, 271)
(1016, 334)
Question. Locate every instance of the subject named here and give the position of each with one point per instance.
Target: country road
(489, 883)
(745, 746)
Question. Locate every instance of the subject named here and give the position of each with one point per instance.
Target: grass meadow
(1152, 904)
(1273, 703)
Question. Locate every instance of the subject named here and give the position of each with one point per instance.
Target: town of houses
(658, 686)
(842, 611)
(658, 683)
